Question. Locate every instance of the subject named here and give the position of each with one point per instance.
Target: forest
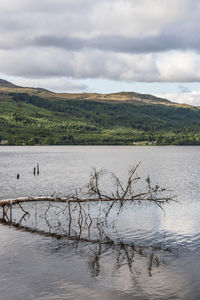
(31, 120)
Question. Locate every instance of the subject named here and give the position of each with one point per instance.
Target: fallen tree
(72, 217)
(122, 193)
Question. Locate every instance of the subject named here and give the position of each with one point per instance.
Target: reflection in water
(83, 224)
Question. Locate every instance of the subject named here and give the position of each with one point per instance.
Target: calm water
(165, 260)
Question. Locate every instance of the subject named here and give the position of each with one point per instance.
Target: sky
(147, 46)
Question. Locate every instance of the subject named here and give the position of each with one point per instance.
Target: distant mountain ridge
(8, 87)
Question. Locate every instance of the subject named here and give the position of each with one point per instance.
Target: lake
(146, 254)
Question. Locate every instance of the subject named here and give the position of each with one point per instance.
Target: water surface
(35, 266)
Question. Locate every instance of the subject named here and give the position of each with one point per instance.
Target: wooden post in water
(38, 170)
(3, 207)
(70, 219)
(10, 213)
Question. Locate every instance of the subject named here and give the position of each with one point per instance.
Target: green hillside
(27, 119)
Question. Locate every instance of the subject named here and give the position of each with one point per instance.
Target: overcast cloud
(70, 41)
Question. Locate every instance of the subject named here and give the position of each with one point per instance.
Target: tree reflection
(83, 224)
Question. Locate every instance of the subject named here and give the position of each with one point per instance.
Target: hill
(7, 84)
(31, 116)
(7, 87)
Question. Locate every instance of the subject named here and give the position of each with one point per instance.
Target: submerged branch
(123, 192)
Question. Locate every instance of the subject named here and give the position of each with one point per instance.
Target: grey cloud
(80, 24)
(147, 44)
(115, 39)
(44, 5)
(52, 62)
(12, 24)
(115, 43)
(59, 42)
